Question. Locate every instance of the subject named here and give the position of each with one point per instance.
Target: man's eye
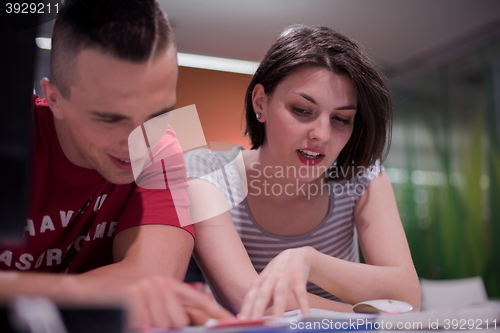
(109, 120)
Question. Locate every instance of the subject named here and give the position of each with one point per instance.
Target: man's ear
(52, 97)
(259, 101)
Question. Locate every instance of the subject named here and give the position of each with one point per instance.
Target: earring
(258, 115)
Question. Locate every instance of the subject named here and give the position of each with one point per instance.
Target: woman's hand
(286, 274)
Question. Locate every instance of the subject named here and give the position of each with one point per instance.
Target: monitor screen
(17, 69)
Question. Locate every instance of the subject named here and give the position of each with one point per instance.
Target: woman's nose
(320, 129)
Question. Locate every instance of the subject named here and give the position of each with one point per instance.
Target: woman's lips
(310, 156)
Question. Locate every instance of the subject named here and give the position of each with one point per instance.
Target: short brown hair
(132, 30)
(323, 47)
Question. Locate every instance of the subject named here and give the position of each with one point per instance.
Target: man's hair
(322, 47)
(132, 30)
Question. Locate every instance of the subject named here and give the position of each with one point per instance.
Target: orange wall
(219, 99)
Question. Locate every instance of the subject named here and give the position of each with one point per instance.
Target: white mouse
(382, 306)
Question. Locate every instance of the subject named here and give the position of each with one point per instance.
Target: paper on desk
(212, 325)
(290, 316)
(296, 315)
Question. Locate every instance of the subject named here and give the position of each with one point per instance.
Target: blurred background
(442, 62)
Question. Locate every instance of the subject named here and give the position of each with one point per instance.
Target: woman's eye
(300, 111)
(340, 120)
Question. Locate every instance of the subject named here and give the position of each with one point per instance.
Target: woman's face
(308, 118)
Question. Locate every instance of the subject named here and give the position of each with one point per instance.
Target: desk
(482, 318)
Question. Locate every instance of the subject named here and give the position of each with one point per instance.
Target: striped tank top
(335, 235)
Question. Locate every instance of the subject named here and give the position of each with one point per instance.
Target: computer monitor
(17, 66)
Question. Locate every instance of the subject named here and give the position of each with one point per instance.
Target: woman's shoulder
(204, 159)
(367, 174)
(204, 154)
(356, 181)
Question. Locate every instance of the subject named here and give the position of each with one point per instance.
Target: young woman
(294, 206)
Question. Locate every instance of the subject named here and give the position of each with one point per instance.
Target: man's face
(109, 98)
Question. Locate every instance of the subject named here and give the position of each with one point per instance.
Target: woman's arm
(221, 256)
(218, 249)
(388, 272)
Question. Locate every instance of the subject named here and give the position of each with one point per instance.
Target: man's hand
(166, 303)
(152, 301)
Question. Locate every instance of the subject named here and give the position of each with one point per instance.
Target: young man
(114, 67)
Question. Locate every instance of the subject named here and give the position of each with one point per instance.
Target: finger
(138, 314)
(196, 316)
(252, 294)
(263, 297)
(156, 298)
(249, 300)
(300, 293)
(174, 308)
(194, 299)
(279, 299)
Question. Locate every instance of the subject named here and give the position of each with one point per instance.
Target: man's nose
(127, 130)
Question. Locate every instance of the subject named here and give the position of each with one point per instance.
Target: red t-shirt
(75, 213)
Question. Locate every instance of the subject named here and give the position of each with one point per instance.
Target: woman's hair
(323, 47)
